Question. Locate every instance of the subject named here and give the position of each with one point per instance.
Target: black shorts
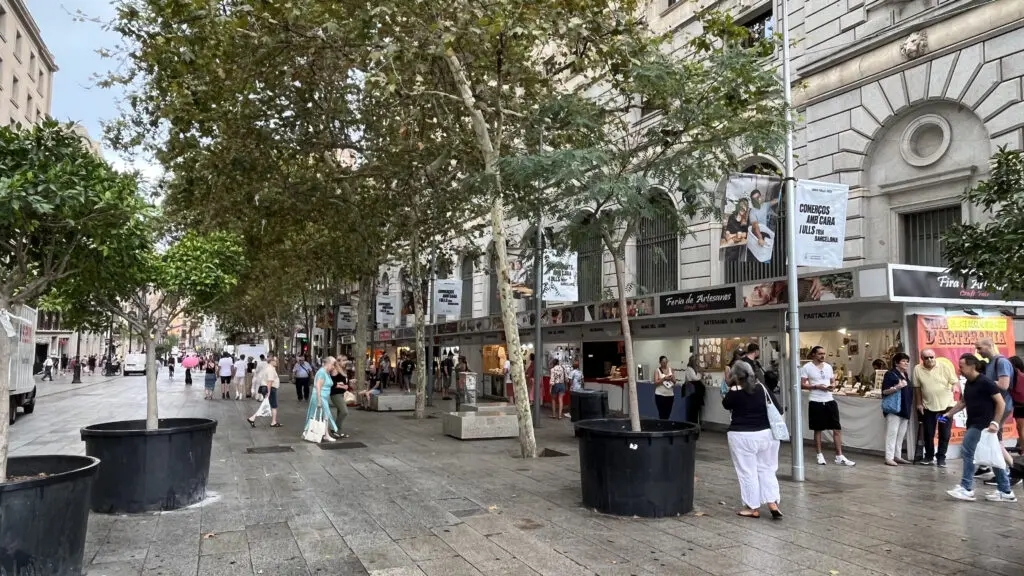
(273, 397)
(1018, 412)
(225, 380)
(823, 416)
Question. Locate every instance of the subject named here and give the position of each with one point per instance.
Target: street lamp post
(77, 370)
(538, 337)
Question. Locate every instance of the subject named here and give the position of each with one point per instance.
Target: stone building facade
(26, 67)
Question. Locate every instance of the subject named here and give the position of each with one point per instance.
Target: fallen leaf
(209, 535)
(492, 507)
(833, 572)
(721, 503)
(699, 514)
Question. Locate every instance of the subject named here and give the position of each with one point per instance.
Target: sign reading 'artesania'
(698, 301)
(821, 223)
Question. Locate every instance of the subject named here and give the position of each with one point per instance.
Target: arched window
(657, 249)
(588, 266)
(467, 287)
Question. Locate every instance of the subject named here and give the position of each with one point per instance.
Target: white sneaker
(328, 438)
(997, 496)
(821, 459)
(845, 461)
(960, 494)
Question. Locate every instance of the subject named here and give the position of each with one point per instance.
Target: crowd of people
(989, 393)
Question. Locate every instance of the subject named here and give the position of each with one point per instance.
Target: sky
(75, 45)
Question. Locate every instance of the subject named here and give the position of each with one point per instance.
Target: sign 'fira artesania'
(820, 223)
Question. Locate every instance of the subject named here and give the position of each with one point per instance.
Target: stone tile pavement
(416, 503)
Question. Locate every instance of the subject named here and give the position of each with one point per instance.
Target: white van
(135, 364)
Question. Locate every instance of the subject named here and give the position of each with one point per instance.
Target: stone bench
(491, 408)
(393, 402)
(477, 425)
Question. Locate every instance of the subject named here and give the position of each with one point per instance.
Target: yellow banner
(964, 324)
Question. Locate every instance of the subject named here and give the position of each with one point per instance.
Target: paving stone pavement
(416, 503)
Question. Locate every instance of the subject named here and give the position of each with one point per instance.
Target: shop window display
(859, 357)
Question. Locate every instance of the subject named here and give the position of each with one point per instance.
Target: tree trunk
(152, 416)
(421, 361)
(362, 331)
(5, 397)
(527, 440)
(627, 339)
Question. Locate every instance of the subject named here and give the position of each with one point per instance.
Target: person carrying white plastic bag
(267, 378)
(984, 404)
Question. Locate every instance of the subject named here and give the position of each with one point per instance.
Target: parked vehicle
(23, 384)
(135, 364)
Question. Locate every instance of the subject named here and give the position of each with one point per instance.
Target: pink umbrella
(190, 361)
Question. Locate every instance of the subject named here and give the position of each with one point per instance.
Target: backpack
(1013, 372)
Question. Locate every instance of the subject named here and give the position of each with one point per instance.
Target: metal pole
(538, 337)
(429, 365)
(796, 401)
(77, 372)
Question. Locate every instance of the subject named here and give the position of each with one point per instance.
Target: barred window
(657, 250)
(467, 287)
(922, 235)
(588, 267)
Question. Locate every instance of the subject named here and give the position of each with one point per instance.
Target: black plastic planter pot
(146, 470)
(647, 473)
(43, 521)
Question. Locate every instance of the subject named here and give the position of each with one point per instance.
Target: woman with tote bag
(897, 402)
(318, 416)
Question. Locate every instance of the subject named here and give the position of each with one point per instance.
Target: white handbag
(778, 424)
(317, 427)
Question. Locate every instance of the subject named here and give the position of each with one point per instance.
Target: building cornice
(21, 10)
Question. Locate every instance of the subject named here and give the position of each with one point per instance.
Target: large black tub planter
(147, 470)
(43, 520)
(647, 473)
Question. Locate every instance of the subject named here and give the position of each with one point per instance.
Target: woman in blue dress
(320, 400)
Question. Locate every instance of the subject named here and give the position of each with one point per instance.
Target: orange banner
(952, 336)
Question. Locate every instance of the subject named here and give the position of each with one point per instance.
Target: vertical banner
(387, 303)
(952, 336)
(749, 216)
(345, 320)
(820, 223)
(448, 297)
(560, 277)
(519, 275)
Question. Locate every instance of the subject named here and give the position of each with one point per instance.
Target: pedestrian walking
(753, 447)
(266, 377)
(238, 377)
(576, 377)
(48, 369)
(302, 372)
(693, 382)
(933, 395)
(1018, 401)
(188, 375)
(664, 388)
(92, 364)
(225, 369)
(339, 386)
(319, 403)
(822, 409)
(408, 368)
(447, 370)
(558, 379)
(999, 370)
(250, 370)
(897, 398)
(170, 368)
(984, 403)
(210, 378)
(384, 371)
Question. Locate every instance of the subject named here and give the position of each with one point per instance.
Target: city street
(413, 502)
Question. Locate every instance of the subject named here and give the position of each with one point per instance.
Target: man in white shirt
(48, 369)
(225, 368)
(822, 409)
(238, 377)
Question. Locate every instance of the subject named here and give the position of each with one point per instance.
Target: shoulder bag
(775, 420)
(317, 428)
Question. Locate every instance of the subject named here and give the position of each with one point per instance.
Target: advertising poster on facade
(345, 320)
(820, 223)
(520, 274)
(387, 303)
(811, 289)
(952, 336)
(750, 216)
(560, 277)
(448, 297)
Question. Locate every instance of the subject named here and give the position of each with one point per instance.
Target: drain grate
(268, 449)
(413, 417)
(340, 445)
(549, 453)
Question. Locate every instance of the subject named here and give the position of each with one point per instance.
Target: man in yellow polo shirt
(933, 394)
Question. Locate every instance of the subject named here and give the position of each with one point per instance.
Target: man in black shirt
(984, 403)
(408, 367)
(447, 366)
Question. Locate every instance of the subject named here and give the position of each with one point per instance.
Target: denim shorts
(273, 397)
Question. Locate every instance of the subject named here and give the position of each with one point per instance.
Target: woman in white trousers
(755, 452)
(897, 410)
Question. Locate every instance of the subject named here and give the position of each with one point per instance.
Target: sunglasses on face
(928, 357)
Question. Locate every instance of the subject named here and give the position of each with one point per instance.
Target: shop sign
(822, 288)
(567, 334)
(698, 301)
(921, 284)
(384, 335)
(738, 325)
(950, 337)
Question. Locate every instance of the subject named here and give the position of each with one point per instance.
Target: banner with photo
(387, 303)
(448, 297)
(820, 223)
(750, 216)
(952, 336)
(560, 277)
(345, 320)
(520, 274)
(821, 288)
